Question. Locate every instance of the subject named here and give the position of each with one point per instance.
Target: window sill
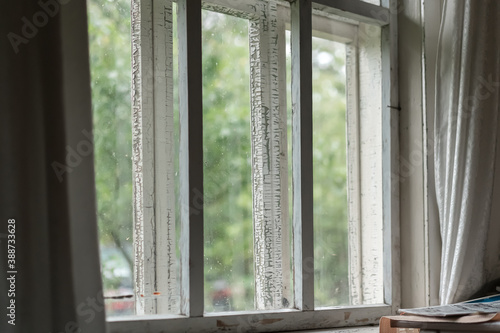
(359, 329)
(284, 320)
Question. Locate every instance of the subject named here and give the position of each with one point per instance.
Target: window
(250, 120)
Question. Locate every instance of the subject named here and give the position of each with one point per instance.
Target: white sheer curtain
(466, 136)
(45, 111)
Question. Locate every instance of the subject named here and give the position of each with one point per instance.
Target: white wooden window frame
(153, 119)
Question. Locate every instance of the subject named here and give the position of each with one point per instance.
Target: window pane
(331, 268)
(329, 169)
(109, 38)
(348, 256)
(229, 283)
(330, 173)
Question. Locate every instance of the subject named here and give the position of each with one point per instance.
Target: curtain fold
(46, 170)
(466, 127)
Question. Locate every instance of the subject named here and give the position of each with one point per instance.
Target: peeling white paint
(153, 158)
(370, 109)
(269, 160)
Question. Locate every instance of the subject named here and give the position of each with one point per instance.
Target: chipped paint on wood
(153, 158)
(222, 324)
(254, 321)
(370, 108)
(353, 175)
(269, 158)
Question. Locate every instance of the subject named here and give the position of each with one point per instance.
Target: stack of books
(477, 315)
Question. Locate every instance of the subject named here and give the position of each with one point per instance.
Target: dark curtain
(46, 170)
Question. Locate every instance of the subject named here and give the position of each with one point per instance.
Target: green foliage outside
(109, 42)
(227, 157)
(329, 172)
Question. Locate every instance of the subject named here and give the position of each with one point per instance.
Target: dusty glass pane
(109, 38)
(229, 283)
(329, 170)
(330, 173)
